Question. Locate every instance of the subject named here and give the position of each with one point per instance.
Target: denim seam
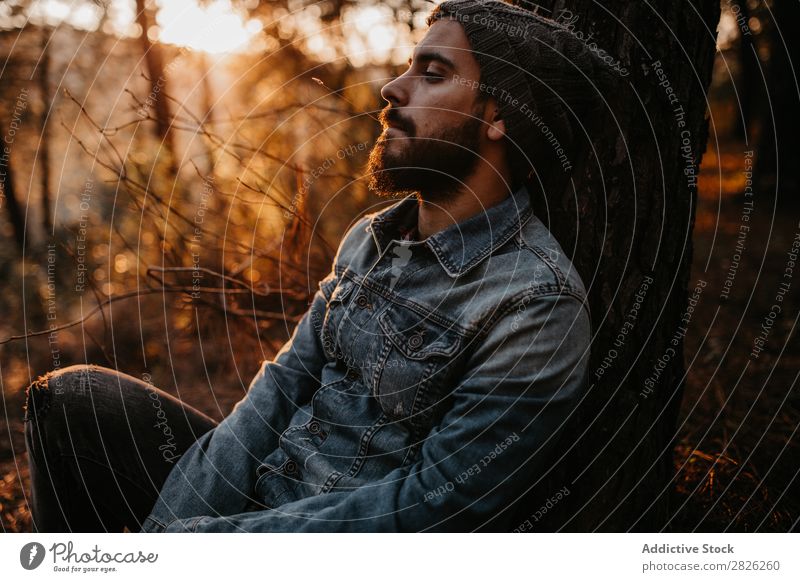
(327, 337)
(395, 299)
(486, 251)
(329, 482)
(327, 287)
(320, 389)
(378, 374)
(511, 304)
(363, 448)
(497, 312)
(280, 471)
(409, 449)
(420, 395)
(390, 331)
(406, 274)
(344, 292)
(539, 252)
(388, 348)
(314, 408)
(271, 470)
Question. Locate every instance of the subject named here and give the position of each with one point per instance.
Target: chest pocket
(416, 364)
(337, 305)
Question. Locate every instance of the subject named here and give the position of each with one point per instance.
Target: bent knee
(45, 390)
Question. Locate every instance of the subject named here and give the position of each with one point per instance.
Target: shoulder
(545, 255)
(531, 268)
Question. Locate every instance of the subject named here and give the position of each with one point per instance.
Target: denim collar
(459, 247)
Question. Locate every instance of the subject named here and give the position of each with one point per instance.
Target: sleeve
(521, 385)
(216, 474)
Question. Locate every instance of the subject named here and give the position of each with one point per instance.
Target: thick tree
(43, 77)
(16, 214)
(627, 222)
(779, 139)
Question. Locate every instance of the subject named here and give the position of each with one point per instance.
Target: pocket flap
(341, 291)
(417, 337)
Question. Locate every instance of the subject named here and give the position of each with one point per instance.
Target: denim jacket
(425, 389)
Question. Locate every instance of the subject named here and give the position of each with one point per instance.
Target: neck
(484, 188)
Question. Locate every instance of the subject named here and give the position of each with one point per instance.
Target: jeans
(100, 446)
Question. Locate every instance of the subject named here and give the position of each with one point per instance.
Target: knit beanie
(543, 78)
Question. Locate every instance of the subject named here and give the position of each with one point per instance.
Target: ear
(495, 126)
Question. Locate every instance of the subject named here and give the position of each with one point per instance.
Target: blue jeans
(100, 446)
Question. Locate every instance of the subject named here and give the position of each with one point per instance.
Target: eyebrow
(428, 56)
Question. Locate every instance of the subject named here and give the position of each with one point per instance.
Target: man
(428, 384)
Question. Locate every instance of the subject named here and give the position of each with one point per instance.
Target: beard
(433, 167)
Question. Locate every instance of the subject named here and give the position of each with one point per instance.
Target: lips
(390, 121)
(393, 124)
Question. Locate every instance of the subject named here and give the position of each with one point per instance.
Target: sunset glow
(215, 28)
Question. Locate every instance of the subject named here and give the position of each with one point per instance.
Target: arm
(521, 385)
(216, 474)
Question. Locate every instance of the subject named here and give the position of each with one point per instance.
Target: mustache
(391, 115)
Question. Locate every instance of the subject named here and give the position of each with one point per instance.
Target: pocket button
(415, 341)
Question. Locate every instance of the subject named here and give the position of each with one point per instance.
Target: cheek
(444, 115)
(430, 112)
(432, 119)
(438, 122)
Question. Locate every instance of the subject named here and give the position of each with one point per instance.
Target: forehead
(447, 38)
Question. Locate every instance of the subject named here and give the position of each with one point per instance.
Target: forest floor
(737, 455)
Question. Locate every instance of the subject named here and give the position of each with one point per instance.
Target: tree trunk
(158, 83)
(750, 85)
(779, 139)
(208, 109)
(44, 142)
(629, 232)
(16, 216)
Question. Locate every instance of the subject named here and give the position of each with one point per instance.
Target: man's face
(433, 123)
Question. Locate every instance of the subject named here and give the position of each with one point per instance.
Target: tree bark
(630, 221)
(750, 84)
(158, 82)
(779, 139)
(208, 109)
(44, 148)
(16, 216)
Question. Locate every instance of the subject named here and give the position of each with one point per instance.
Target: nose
(394, 92)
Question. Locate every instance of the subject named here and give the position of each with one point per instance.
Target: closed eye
(432, 77)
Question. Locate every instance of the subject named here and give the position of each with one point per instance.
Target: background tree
(46, 99)
(629, 221)
(10, 91)
(154, 57)
(779, 135)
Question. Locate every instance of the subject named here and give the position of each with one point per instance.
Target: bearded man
(428, 385)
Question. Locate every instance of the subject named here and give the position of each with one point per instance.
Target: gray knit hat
(536, 69)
